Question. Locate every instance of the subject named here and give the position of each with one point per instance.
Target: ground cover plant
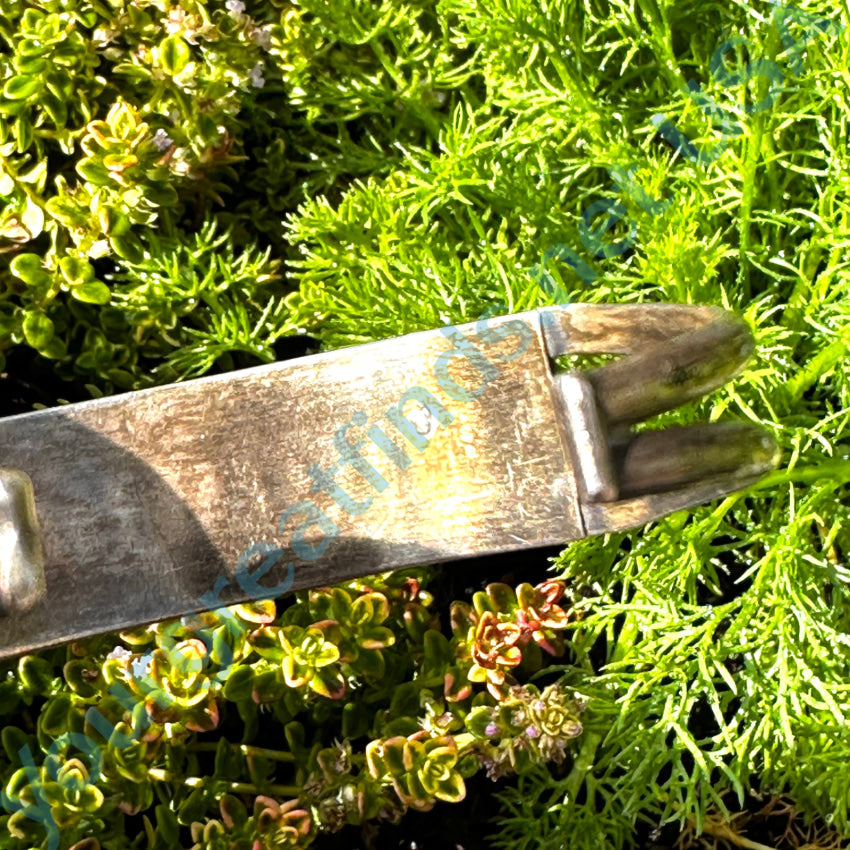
(201, 186)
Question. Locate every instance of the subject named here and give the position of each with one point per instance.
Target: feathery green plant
(711, 652)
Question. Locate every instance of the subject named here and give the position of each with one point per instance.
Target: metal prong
(667, 376)
(605, 517)
(675, 354)
(620, 328)
(590, 442)
(22, 581)
(658, 461)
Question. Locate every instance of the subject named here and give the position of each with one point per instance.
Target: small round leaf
(29, 269)
(31, 47)
(54, 718)
(21, 87)
(94, 292)
(174, 54)
(161, 194)
(128, 247)
(56, 108)
(93, 171)
(121, 378)
(38, 329)
(76, 269)
(30, 66)
(60, 83)
(56, 349)
(22, 130)
(33, 218)
(35, 674)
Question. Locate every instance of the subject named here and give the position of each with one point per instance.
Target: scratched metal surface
(145, 500)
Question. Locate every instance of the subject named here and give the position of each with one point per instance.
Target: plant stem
(160, 775)
(752, 149)
(245, 749)
(837, 469)
(582, 764)
(724, 832)
(31, 194)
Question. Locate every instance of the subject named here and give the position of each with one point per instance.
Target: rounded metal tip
(659, 461)
(22, 579)
(669, 375)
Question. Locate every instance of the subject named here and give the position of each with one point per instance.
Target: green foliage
(184, 186)
(195, 302)
(118, 123)
(408, 741)
(710, 647)
(422, 769)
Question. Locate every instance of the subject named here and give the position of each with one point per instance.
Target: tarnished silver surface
(144, 500)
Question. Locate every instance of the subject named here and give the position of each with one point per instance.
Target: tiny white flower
(120, 653)
(103, 36)
(256, 76)
(175, 20)
(178, 163)
(262, 37)
(161, 140)
(99, 249)
(235, 7)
